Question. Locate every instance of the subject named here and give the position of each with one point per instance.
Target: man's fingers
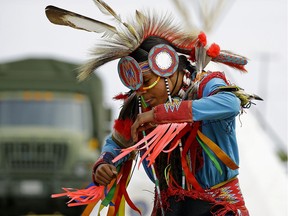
(140, 129)
(142, 123)
(105, 173)
(114, 171)
(109, 171)
(136, 128)
(102, 181)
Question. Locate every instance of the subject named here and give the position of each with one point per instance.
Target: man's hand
(104, 174)
(143, 121)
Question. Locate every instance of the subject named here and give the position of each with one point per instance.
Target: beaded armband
(176, 112)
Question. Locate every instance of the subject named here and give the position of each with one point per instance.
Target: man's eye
(146, 81)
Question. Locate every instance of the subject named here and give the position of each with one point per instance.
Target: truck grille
(44, 156)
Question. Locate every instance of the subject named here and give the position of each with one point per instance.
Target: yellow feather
(140, 17)
(106, 9)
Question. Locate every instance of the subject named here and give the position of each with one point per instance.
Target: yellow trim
(152, 85)
(222, 183)
(37, 95)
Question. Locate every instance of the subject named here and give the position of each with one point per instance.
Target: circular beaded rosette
(130, 73)
(163, 60)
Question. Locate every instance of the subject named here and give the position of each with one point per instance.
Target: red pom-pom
(123, 127)
(121, 96)
(214, 50)
(202, 38)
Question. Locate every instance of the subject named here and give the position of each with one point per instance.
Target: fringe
(225, 199)
(82, 197)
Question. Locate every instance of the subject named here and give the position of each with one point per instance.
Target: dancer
(178, 117)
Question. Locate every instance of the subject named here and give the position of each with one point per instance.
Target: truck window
(66, 111)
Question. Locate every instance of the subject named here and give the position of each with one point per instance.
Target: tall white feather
(202, 59)
(60, 16)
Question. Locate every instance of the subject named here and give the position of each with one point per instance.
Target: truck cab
(51, 131)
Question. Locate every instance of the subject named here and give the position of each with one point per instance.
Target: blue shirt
(217, 113)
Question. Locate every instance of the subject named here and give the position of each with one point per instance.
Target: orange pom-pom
(214, 50)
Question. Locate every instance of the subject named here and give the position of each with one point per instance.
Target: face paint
(152, 85)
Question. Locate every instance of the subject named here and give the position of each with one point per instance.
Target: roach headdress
(121, 39)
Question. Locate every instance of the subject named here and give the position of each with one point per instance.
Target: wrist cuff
(176, 112)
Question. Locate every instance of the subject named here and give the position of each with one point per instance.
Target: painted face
(158, 93)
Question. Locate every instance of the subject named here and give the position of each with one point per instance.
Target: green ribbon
(109, 196)
(166, 173)
(106, 201)
(210, 155)
(144, 104)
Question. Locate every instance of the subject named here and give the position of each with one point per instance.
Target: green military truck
(51, 130)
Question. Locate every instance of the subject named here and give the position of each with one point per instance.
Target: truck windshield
(65, 111)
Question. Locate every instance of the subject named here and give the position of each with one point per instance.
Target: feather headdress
(122, 39)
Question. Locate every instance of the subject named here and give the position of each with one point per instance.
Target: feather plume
(60, 16)
(124, 39)
(122, 44)
(202, 59)
(245, 98)
(231, 59)
(140, 17)
(186, 14)
(101, 58)
(106, 9)
(228, 56)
